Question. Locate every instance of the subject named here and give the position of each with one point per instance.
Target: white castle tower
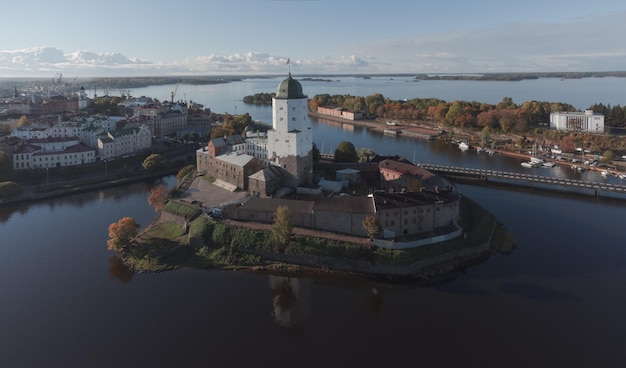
(290, 141)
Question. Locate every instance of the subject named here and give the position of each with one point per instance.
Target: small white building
(587, 121)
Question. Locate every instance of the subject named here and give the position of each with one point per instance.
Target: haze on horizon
(257, 37)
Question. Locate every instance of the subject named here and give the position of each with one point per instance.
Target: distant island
(517, 76)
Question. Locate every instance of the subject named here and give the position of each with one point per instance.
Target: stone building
(284, 156)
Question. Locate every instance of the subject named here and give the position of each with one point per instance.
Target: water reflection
(81, 200)
(374, 302)
(119, 271)
(291, 300)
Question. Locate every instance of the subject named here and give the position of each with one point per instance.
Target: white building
(122, 142)
(52, 153)
(587, 121)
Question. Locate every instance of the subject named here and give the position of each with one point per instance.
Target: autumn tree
(121, 233)
(415, 185)
(608, 156)
(153, 162)
(158, 197)
(372, 226)
(346, 152)
(182, 173)
(282, 226)
(23, 121)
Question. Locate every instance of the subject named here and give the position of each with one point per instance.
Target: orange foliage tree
(121, 233)
(158, 197)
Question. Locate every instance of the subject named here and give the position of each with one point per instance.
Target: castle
(264, 163)
(413, 206)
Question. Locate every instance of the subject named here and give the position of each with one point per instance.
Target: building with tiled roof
(287, 146)
(52, 153)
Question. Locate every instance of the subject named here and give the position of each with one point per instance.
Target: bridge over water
(544, 182)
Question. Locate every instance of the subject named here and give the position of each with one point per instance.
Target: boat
(537, 160)
(604, 173)
(548, 164)
(480, 150)
(529, 164)
(463, 146)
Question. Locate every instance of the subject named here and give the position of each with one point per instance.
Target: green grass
(163, 247)
(184, 210)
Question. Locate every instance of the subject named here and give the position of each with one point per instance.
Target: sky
(114, 38)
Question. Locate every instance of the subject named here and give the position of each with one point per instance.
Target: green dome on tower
(290, 89)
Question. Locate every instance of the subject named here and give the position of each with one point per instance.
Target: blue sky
(240, 37)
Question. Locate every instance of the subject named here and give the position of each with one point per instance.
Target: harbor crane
(174, 92)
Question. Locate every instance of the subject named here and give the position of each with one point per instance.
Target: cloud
(593, 44)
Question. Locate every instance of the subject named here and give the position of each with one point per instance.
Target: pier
(526, 180)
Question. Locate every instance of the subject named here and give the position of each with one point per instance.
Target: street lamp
(105, 169)
(47, 180)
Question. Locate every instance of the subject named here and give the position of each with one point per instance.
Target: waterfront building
(52, 153)
(587, 121)
(339, 112)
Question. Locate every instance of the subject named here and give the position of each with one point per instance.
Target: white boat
(463, 146)
(548, 164)
(604, 173)
(529, 164)
(537, 160)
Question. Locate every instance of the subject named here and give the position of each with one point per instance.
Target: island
(264, 200)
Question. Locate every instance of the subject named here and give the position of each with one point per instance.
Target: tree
(153, 162)
(317, 156)
(283, 225)
(346, 152)
(608, 156)
(10, 189)
(372, 226)
(5, 163)
(365, 154)
(158, 197)
(182, 173)
(121, 233)
(415, 185)
(23, 121)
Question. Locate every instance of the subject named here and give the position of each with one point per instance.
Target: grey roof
(233, 158)
(358, 204)
(267, 174)
(271, 204)
(290, 89)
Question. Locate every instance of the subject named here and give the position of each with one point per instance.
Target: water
(557, 300)
(580, 93)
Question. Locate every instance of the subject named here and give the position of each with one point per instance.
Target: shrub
(10, 189)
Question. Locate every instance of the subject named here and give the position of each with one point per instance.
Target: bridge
(546, 182)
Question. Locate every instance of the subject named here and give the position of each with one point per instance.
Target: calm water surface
(557, 300)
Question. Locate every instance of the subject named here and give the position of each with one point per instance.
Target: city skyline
(253, 37)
